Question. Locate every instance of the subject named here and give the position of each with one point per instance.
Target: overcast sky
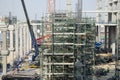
(38, 7)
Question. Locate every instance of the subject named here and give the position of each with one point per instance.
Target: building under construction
(67, 41)
(70, 55)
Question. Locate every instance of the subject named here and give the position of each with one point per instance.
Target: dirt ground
(110, 66)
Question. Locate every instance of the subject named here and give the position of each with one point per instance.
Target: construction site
(63, 44)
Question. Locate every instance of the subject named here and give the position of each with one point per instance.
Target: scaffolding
(70, 55)
(85, 53)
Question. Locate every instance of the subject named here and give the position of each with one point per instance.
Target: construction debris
(20, 77)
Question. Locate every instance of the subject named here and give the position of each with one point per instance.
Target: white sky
(38, 7)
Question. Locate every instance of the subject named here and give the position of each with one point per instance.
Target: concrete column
(4, 51)
(69, 7)
(106, 9)
(30, 43)
(106, 37)
(114, 17)
(98, 29)
(99, 7)
(21, 42)
(36, 33)
(112, 36)
(24, 29)
(16, 43)
(35, 30)
(11, 29)
(28, 40)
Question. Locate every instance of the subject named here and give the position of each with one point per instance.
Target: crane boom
(34, 43)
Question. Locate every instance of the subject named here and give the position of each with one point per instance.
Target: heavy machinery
(36, 53)
(102, 55)
(34, 43)
(35, 64)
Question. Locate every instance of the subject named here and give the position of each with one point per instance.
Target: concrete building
(111, 25)
(107, 21)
